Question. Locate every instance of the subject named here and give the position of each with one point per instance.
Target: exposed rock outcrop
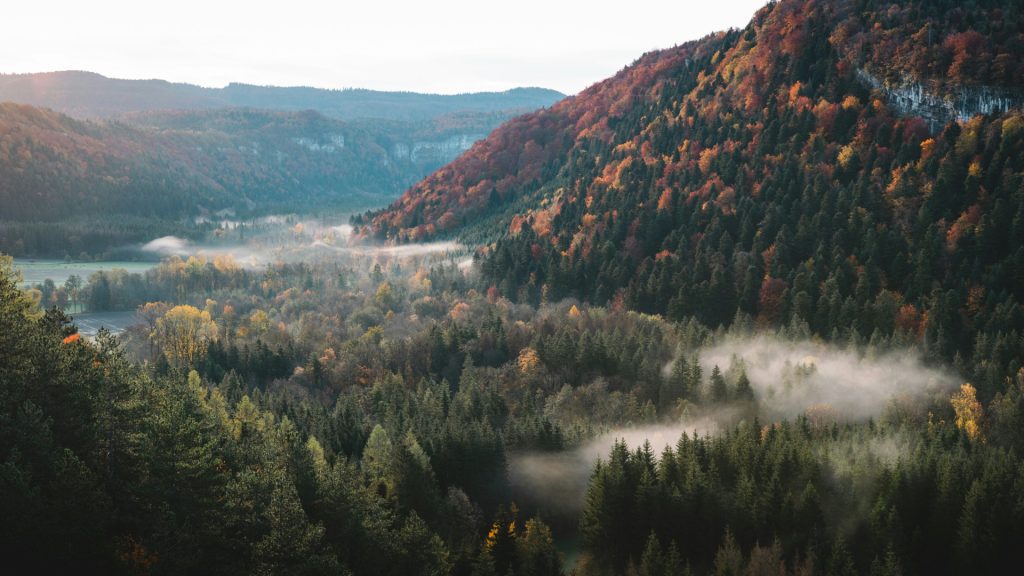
(914, 99)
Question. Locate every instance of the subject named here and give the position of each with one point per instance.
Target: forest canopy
(740, 309)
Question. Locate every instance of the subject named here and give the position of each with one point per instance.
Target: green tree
(536, 554)
(292, 545)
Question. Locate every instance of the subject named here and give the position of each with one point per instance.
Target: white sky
(442, 46)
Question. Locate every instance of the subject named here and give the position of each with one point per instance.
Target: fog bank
(557, 481)
(789, 378)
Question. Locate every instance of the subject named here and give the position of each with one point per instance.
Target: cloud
(167, 246)
(343, 231)
(557, 481)
(400, 251)
(790, 377)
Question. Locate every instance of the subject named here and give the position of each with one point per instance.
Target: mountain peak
(677, 184)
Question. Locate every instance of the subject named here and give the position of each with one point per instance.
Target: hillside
(70, 186)
(55, 167)
(93, 96)
(786, 171)
(151, 169)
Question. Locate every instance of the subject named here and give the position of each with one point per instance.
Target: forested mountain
(89, 95)
(783, 170)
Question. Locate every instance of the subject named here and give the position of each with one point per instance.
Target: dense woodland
(752, 171)
(367, 416)
(342, 411)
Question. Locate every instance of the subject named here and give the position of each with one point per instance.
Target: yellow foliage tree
(225, 264)
(528, 362)
(384, 297)
(260, 322)
(183, 334)
(846, 155)
(969, 413)
(152, 312)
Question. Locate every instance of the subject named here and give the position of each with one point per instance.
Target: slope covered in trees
(55, 166)
(756, 171)
(146, 469)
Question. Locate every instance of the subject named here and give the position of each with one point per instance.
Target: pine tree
(536, 554)
(292, 545)
(744, 391)
(719, 389)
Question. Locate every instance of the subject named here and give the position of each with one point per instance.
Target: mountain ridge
(56, 165)
(91, 95)
(64, 179)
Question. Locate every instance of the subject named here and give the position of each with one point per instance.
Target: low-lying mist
(557, 481)
(284, 239)
(251, 255)
(166, 246)
(788, 379)
(401, 251)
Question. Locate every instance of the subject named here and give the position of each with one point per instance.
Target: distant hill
(90, 96)
(184, 163)
(833, 164)
(69, 186)
(79, 148)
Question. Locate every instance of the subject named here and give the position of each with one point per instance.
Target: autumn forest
(754, 305)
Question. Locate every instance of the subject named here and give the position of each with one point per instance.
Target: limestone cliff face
(434, 151)
(419, 152)
(329, 143)
(914, 99)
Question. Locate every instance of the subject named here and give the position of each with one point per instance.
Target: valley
(98, 181)
(754, 304)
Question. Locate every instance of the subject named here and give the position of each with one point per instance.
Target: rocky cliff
(962, 103)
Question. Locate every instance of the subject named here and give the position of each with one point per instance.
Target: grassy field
(35, 271)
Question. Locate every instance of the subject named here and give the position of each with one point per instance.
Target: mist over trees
(732, 311)
(316, 418)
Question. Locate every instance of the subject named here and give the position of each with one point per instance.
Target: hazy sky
(428, 46)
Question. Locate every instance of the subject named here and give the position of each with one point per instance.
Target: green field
(35, 271)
